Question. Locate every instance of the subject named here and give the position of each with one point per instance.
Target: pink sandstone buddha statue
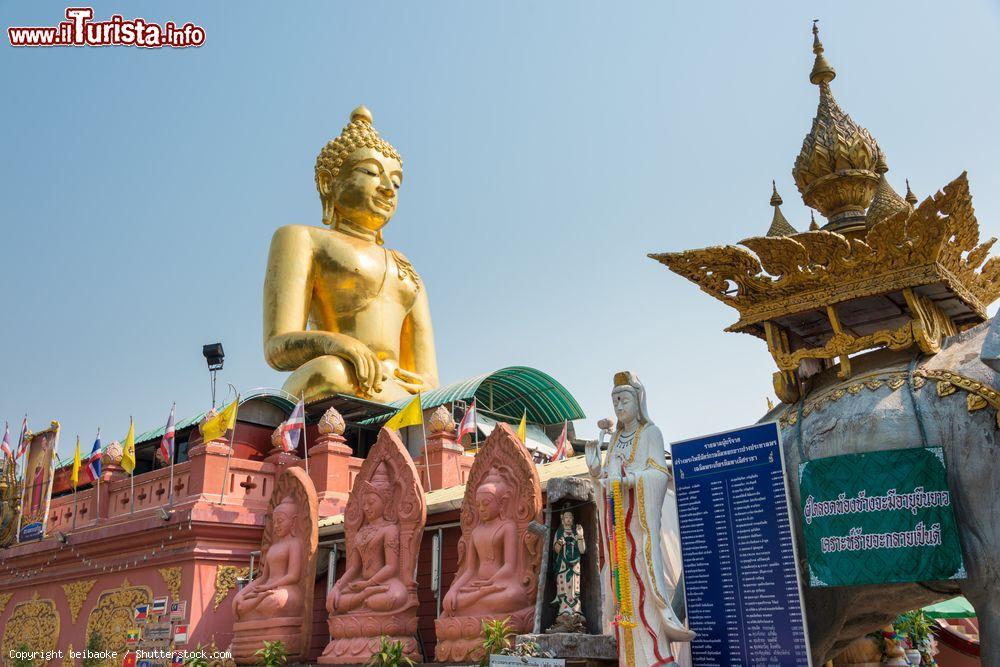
(498, 558)
(384, 521)
(277, 605)
(275, 592)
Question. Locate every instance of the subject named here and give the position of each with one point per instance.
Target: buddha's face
(487, 505)
(372, 506)
(624, 402)
(364, 191)
(284, 519)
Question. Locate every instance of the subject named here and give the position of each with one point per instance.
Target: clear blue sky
(547, 146)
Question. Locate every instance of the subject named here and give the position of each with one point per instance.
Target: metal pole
(305, 444)
(229, 457)
(173, 455)
(423, 429)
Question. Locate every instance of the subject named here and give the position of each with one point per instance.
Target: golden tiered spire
(779, 226)
(886, 202)
(812, 221)
(911, 198)
(834, 171)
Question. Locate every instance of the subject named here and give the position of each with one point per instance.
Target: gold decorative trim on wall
(4, 599)
(225, 581)
(76, 595)
(35, 624)
(114, 614)
(172, 578)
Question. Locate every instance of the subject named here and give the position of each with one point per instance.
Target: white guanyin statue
(639, 530)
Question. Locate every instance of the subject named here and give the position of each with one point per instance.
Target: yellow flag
(411, 415)
(217, 426)
(128, 449)
(75, 475)
(522, 428)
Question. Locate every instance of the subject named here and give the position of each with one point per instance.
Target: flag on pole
(22, 441)
(219, 425)
(75, 474)
(5, 444)
(468, 425)
(411, 415)
(522, 428)
(167, 441)
(562, 445)
(292, 428)
(128, 449)
(94, 462)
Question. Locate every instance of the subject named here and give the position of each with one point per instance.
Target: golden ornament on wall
(114, 614)
(172, 578)
(34, 624)
(76, 595)
(4, 599)
(225, 581)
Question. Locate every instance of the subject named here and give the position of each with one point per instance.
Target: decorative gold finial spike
(362, 113)
(822, 72)
(886, 202)
(911, 198)
(813, 226)
(779, 226)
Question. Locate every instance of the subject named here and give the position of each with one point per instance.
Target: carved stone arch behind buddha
(391, 455)
(294, 483)
(33, 623)
(114, 615)
(503, 453)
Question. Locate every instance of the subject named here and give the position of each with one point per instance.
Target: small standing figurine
(568, 547)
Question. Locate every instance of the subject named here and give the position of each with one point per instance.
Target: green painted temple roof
(508, 392)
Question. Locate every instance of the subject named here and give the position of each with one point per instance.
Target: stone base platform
(579, 650)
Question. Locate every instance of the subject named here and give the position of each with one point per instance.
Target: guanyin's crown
(895, 277)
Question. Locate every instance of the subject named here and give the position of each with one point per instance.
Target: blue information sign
(743, 594)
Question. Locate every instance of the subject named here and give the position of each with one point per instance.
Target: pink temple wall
(117, 540)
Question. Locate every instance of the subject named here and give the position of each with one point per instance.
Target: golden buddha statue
(343, 313)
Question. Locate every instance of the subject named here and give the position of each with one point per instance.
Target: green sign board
(880, 517)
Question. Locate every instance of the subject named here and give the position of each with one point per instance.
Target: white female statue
(638, 579)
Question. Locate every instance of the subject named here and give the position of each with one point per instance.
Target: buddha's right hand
(367, 366)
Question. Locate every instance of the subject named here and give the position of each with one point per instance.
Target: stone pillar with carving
(329, 464)
(277, 605)
(278, 456)
(208, 464)
(441, 462)
(377, 594)
(111, 470)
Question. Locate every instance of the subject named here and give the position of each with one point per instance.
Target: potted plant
(95, 644)
(915, 626)
(273, 654)
(20, 658)
(496, 638)
(389, 654)
(196, 658)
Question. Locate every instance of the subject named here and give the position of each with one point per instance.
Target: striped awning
(509, 392)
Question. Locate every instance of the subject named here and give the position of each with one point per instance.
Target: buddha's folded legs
(330, 374)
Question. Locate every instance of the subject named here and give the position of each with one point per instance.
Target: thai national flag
(563, 445)
(5, 444)
(94, 462)
(22, 441)
(468, 424)
(167, 441)
(293, 427)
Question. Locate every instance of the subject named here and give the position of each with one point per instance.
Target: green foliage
(496, 638)
(22, 662)
(389, 654)
(272, 655)
(916, 627)
(95, 644)
(197, 658)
